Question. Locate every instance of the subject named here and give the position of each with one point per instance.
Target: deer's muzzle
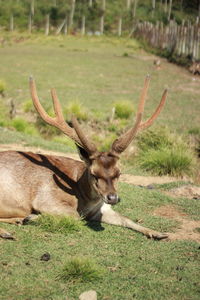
(112, 199)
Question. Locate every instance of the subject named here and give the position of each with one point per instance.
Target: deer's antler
(58, 121)
(121, 143)
(87, 145)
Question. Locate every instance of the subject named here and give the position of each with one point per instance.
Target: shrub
(123, 109)
(81, 269)
(2, 87)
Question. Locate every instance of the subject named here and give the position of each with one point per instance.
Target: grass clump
(164, 153)
(22, 125)
(58, 224)
(65, 141)
(2, 87)
(104, 142)
(166, 161)
(28, 106)
(123, 109)
(81, 270)
(75, 108)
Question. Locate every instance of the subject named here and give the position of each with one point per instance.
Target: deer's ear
(83, 154)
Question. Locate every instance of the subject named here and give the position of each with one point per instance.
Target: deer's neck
(90, 200)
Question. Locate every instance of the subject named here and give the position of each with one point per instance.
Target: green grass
(166, 161)
(58, 224)
(94, 71)
(133, 266)
(80, 269)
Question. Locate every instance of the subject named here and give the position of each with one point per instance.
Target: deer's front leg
(109, 216)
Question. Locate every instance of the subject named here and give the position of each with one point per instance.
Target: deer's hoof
(158, 235)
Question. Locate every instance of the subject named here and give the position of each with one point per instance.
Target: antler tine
(89, 146)
(156, 113)
(125, 139)
(58, 121)
(144, 94)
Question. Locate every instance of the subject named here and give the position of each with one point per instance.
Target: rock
(88, 295)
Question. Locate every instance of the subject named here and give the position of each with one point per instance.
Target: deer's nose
(112, 198)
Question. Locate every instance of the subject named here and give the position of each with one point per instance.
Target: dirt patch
(187, 229)
(186, 191)
(146, 180)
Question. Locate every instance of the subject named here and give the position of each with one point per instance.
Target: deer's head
(102, 167)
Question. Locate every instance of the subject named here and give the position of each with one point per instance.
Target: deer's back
(33, 181)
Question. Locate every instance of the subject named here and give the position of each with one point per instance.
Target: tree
(103, 10)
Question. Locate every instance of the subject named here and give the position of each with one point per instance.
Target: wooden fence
(181, 39)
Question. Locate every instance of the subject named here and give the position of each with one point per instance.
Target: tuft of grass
(75, 108)
(104, 143)
(166, 161)
(64, 140)
(164, 153)
(155, 139)
(194, 131)
(22, 125)
(2, 87)
(46, 130)
(123, 109)
(81, 270)
(58, 224)
(28, 106)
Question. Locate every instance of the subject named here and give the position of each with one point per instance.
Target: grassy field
(133, 266)
(97, 72)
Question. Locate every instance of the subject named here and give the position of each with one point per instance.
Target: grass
(165, 161)
(56, 224)
(133, 266)
(79, 269)
(94, 71)
(165, 153)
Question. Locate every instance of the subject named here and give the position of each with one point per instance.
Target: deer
(32, 184)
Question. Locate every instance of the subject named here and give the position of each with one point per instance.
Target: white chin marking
(105, 207)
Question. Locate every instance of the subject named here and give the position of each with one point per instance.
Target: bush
(81, 269)
(2, 87)
(123, 109)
